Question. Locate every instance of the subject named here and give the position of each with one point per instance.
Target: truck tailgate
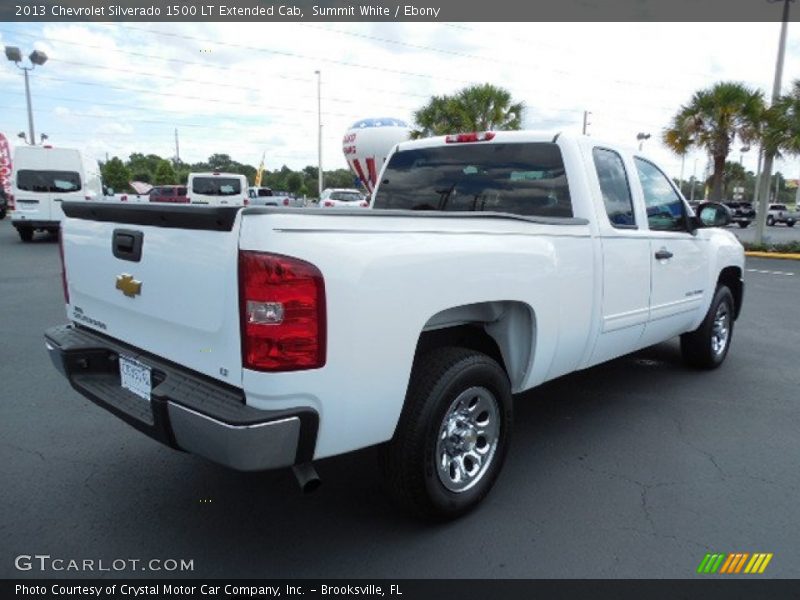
(161, 278)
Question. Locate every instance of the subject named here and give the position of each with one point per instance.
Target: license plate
(135, 376)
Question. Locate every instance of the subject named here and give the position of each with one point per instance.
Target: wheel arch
(504, 330)
(731, 277)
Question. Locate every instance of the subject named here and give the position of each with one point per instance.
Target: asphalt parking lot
(778, 234)
(632, 469)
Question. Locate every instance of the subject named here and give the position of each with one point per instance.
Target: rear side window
(614, 187)
(216, 186)
(48, 181)
(264, 193)
(522, 178)
(345, 196)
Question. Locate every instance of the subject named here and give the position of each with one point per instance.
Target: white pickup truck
(488, 264)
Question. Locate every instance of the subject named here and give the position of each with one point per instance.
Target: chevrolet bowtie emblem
(128, 285)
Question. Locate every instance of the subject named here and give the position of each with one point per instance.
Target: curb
(779, 255)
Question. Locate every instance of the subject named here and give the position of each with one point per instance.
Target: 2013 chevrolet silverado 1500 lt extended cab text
(488, 264)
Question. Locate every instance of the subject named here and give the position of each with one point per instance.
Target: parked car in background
(216, 189)
(780, 213)
(43, 178)
(3, 204)
(289, 199)
(169, 193)
(742, 213)
(342, 198)
(260, 196)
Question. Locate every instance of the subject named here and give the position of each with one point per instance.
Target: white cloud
(248, 88)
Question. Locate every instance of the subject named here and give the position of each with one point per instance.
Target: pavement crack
(26, 450)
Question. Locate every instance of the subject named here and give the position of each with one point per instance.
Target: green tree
(294, 182)
(116, 175)
(476, 108)
(712, 120)
(782, 124)
(165, 174)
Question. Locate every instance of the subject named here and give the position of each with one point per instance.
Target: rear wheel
(744, 224)
(790, 223)
(452, 436)
(25, 234)
(2, 213)
(707, 346)
(770, 221)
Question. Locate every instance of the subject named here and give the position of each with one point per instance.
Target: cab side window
(614, 187)
(665, 208)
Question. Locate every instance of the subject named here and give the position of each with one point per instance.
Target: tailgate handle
(126, 244)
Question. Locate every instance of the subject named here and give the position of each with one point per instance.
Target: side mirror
(713, 214)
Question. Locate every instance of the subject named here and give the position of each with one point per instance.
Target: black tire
(702, 347)
(770, 221)
(2, 213)
(790, 223)
(25, 234)
(744, 224)
(408, 461)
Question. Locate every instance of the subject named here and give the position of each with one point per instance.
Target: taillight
(286, 202)
(63, 264)
(364, 204)
(461, 138)
(12, 204)
(246, 201)
(123, 198)
(282, 312)
(87, 197)
(327, 203)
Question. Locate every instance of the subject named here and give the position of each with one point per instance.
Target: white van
(42, 178)
(217, 189)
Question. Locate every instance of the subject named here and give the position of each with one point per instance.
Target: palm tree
(475, 108)
(781, 134)
(712, 120)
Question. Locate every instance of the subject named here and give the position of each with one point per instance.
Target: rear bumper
(34, 223)
(186, 411)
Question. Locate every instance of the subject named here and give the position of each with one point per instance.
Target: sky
(247, 89)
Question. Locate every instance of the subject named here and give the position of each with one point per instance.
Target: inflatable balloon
(5, 165)
(367, 143)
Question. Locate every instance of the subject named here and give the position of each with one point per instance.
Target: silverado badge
(128, 285)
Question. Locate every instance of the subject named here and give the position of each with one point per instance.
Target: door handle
(663, 254)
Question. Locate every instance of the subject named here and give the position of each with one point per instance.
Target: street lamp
(37, 58)
(319, 132)
(642, 137)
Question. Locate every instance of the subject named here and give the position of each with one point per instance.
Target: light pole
(763, 187)
(37, 57)
(642, 137)
(319, 132)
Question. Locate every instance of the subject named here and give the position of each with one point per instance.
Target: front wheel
(770, 221)
(25, 234)
(453, 434)
(707, 346)
(790, 223)
(2, 213)
(744, 224)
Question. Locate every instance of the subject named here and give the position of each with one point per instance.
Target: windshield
(48, 181)
(522, 178)
(345, 196)
(216, 186)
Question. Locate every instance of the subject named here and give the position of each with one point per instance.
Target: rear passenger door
(679, 258)
(626, 258)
